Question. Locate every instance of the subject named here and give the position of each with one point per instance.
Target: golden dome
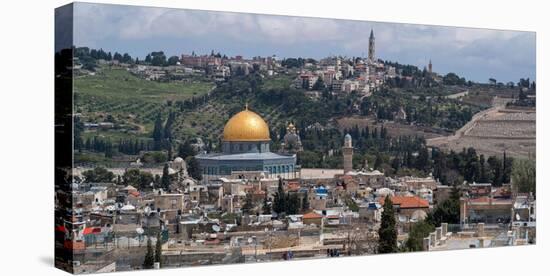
(246, 126)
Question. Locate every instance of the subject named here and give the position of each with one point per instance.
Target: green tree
(158, 249)
(248, 204)
(292, 204)
(318, 85)
(495, 166)
(483, 169)
(97, 175)
(378, 161)
(396, 164)
(524, 175)
(266, 208)
(169, 125)
(173, 60)
(446, 211)
(135, 177)
(158, 58)
(165, 180)
(149, 260)
(279, 202)
(158, 133)
(185, 150)
(108, 149)
(507, 164)
(194, 168)
(387, 233)
(305, 202)
(423, 160)
(419, 231)
(352, 205)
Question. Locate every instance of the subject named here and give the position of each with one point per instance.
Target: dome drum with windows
(245, 147)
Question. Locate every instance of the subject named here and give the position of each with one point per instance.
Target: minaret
(430, 67)
(371, 46)
(347, 151)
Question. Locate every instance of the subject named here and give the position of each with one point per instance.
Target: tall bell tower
(371, 47)
(347, 151)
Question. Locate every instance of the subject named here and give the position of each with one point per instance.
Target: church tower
(347, 151)
(371, 47)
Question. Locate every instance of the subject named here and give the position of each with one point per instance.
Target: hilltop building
(245, 148)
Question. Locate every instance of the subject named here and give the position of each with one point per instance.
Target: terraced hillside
(494, 131)
(129, 99)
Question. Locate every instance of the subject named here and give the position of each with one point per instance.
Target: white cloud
(466, 49)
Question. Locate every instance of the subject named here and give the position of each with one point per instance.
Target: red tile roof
(405, 202)
(91, 230)
(293, 186)
(312, 215)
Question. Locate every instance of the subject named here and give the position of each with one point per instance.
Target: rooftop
(312, 215)
(407, 202)
(244, 156)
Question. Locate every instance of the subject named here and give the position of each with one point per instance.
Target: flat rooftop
(320, 173)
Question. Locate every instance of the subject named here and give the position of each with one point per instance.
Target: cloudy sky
(476, 54)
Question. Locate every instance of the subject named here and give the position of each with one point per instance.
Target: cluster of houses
(212, 66)
(344, 75)
(204, 215)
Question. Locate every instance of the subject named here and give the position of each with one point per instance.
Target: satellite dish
(216, 228)
(518, 217)
(250, 240)
(140, 230)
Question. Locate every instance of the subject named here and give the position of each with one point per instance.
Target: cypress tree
(387, 234)
(483, 169)
(280, 198)
(158, 132)
(305, 202)
(266, 209)
(168, 126)
(292, 203)
(194, 168)
(149, 256)
(165, 180)
(378, 161)
(248, 205)
(158, 250)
